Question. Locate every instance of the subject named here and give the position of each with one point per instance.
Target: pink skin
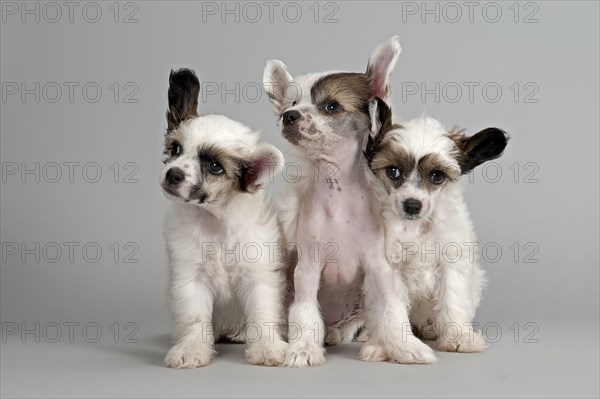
(339, 217)
(342, 276)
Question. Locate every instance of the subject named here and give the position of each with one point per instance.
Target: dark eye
(437, 177)
(332, 107)
(393, 173)
(215, 168)
(176, 149)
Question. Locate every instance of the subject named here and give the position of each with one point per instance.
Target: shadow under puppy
(332, 218)
(223, 277)
(429, 232)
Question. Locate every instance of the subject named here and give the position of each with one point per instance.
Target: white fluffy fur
(435, 253)
(214, 293)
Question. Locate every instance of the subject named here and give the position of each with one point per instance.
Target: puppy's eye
(215, 168)
(393, 173)
(332, 107)
(437, 177)
(176, 149)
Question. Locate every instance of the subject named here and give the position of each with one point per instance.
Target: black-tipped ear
(483, 146)
(184, 88)
(381, 122)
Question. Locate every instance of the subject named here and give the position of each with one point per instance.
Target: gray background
(551, 51)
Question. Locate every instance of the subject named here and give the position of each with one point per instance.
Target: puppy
(225, 274)
(429, 232)
(331, 218)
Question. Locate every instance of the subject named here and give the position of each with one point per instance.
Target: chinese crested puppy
(226, 279)
(429, 233)
(341, 278)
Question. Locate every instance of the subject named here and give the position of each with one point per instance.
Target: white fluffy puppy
(429, 233)
(225, 268)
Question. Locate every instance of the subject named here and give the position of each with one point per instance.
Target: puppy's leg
(306, 329)
(456, 307)
(263, 307)
(191, 305)
(390, 337)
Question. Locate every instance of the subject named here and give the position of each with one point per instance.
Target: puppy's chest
(418, 257)
(339, 216)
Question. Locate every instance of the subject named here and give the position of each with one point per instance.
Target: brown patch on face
(434, 163)
(351, 90)
(389, 156)
(291, 134)
(171, 139)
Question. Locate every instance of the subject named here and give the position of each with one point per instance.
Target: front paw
(413, 351)
(267, 353)
(467, 343)
(304, 355)
(188, 355)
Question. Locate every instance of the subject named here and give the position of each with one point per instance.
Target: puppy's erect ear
(381, 122)
(381, 117)
(184, 88)
(381, 64)
(261, 168)
(483, 146)
(276, 79)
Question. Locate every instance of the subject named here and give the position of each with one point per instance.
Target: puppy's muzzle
(412, 206)
(174, 177)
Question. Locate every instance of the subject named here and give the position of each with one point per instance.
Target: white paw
(267, 353)
(188, 355)
(304, 355)
(373, 353)
(413, 351)
(467, 343)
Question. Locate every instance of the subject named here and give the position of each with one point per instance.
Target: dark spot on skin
(312, 129)
(291, 134)
(309, 117)
(301, 129)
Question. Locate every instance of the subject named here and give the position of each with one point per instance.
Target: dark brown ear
(381, 122)
(483, 146)
(184, 88)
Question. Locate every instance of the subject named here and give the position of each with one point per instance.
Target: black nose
(412, 206)
(175, 176)
(290, 117)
